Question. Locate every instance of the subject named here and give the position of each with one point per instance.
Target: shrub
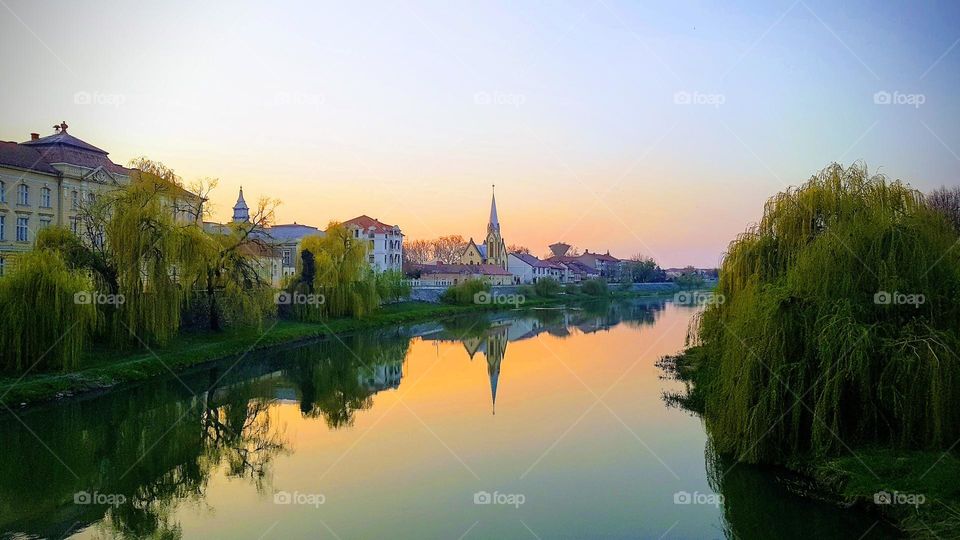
(571, 288)
(546, 287)
(594, 287)
(465, 293)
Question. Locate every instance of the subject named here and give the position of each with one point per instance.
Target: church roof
(494, 219)
(467, 269)
(241, 203)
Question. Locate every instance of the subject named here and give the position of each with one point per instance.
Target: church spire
(494, 224)
(241, 213)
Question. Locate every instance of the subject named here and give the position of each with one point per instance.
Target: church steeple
(241, 213)
(494, 224)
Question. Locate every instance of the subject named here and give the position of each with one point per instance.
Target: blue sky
(408, 111)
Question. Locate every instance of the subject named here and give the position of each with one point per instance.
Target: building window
(44, 223)
(21, 229)
(23, 194)
(45, 197)
(3, 191)
(3, 228)
(75, 197)
(287, 259)
(74, 224)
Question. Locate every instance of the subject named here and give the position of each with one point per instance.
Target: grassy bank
(104, 368)
(916, 491)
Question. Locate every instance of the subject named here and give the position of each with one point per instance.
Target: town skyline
(668, 146)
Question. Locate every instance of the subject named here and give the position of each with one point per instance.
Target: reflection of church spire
(495, 350)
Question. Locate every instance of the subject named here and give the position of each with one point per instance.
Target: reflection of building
(493, 344)
(381, 376)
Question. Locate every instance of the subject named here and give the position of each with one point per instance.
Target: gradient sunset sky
(639, 127)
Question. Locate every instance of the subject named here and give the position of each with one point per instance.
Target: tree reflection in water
(159, 443)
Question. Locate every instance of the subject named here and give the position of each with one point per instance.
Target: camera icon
(482, 497)
(282, 497)
(83, 297)
(482, 98)
(882, 298)
(282, 298)
(682, 497)
(82, 497)
(683, 297)
(682, 98)
(482, 297)
(882, 98)
(82, 98)
(882, 497)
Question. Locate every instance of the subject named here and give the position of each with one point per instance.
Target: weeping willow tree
(343, 282)
(46, 313)
(839, 325)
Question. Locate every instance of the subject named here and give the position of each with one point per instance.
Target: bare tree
(517, 248)
(417, 251)
(947, 201)
(447, 249)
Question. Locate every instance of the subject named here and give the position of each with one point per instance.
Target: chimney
(34, 136)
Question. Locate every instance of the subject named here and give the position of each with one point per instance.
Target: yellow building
(493, 251)
(46, 180)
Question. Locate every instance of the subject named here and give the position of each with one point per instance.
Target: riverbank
(916, 491)
(106, 368)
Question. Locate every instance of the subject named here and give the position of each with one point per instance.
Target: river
(522, 424)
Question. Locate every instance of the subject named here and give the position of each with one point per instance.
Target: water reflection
(165, 445)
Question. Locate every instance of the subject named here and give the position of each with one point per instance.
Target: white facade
(384, 242)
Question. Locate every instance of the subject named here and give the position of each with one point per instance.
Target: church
(494, 249)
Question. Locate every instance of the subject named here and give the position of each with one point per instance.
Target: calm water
(557, 414)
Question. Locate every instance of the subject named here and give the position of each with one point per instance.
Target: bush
(818, 345)
(392, 286)
(571, 288)
(546, 287)
(465, 293)
(594, 287)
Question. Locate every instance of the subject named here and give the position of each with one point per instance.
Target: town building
(47, 181)
(445, 275)
(287, 237)
(527, 269)
(493, 251)
(606, 265)
(385, 242)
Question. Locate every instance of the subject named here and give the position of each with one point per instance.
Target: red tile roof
(366, 223)
(466, 269)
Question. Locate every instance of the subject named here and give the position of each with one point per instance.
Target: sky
(654, 128)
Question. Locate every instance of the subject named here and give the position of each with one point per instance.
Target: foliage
(594, 287)
(812, 350)
(689, 280)
(46, 320)
(344, 279)
(642, 269)
(465, 292)
(392, 286)
(546, 287)
(571, 288)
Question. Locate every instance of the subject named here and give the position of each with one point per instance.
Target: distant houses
(279, 245)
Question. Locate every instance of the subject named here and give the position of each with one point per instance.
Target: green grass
(103, 367)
